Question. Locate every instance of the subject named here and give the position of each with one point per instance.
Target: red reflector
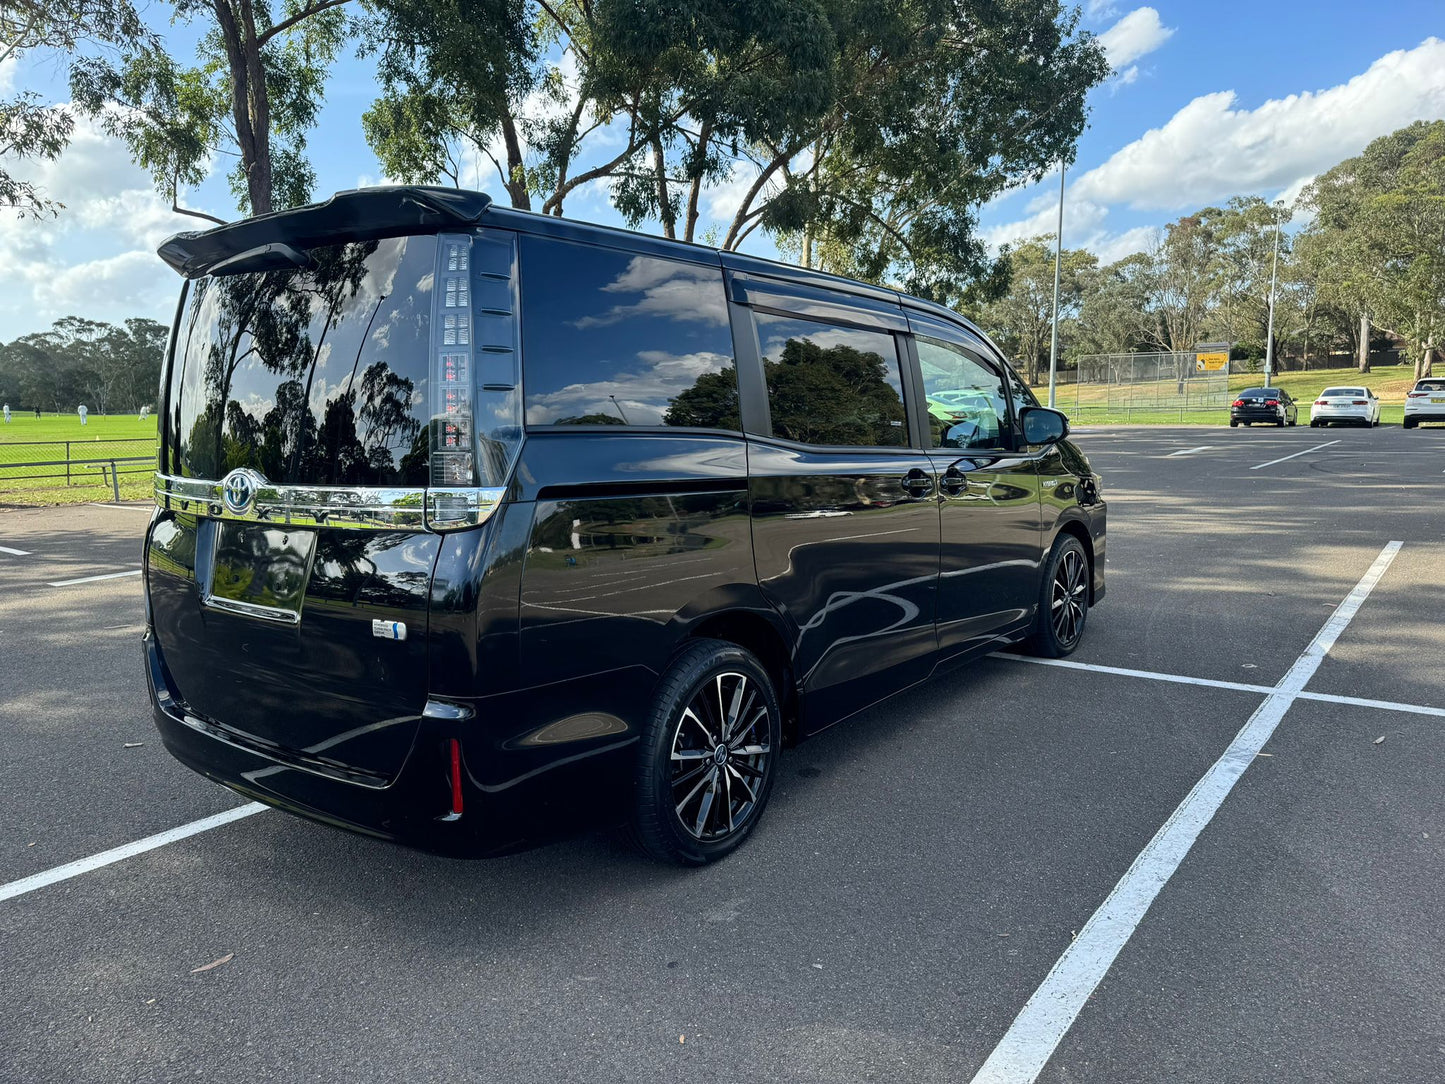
(456, 755)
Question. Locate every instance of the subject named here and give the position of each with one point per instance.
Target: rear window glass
(1430, 385)
(315, 376)
(1259, 393)
(1357, 392)
(614, 338)
(832, 385)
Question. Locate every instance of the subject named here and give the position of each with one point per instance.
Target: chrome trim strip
(252, 609)
(351, 507)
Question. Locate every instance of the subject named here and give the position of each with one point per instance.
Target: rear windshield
(1357, 392)
(1260, 393)
(315, 376)
(1430, 385)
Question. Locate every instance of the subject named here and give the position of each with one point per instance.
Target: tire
(1408, 423)
(1059, 629)
(1232, 423)
(1314, 425)
(1294, 420)
(1279, 424)
(723, 779)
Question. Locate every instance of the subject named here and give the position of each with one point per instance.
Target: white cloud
(1135, 35)
(1100, 9)
(7, 73)
(97, 258)
(1211, 149)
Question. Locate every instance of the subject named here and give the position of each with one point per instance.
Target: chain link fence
(1113, 388)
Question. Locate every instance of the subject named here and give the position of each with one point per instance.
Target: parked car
(477, 527)
(1272, 406)
(1355, 405)
(1425, 402)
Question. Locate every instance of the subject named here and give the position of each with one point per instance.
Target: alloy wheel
(1070, 596)
(720, 756)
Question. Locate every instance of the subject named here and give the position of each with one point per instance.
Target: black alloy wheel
(708, 753)
(1063, 600)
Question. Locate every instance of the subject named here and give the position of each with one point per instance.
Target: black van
(477, 527)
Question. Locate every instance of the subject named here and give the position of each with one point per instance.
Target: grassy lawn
(54, 438)
(1160, 404)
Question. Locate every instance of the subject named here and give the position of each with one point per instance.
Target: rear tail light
(1321, 402)
(1418, 394)
(1360, 402)
(1237, 402)
(1271, 402)
(454, 751)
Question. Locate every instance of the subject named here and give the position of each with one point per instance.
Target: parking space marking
(1047, 1016)
(92, 579)
(1213, 683)
(1282, 458)
(126, 850)
(1189, 451)
(14, 553)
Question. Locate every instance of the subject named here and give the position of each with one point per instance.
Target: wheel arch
(1079, 530)
(749, 629)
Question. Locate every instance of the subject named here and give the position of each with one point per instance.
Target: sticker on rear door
(388, 630)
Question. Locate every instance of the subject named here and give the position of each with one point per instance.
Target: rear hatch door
(318, 435)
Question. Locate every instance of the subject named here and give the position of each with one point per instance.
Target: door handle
(918, 483)
(953, 482)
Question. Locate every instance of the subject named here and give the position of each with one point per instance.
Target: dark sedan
(1268, 406)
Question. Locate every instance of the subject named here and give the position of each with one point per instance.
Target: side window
(613, 338)
(832, 385)
(967, 403)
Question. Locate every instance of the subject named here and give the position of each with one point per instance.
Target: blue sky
(1208, 100)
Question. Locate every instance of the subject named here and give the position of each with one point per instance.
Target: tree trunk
(1364, 360)
(664, 204)
(516, 183)
(250, 105)
(808, 247)
(1424, 366)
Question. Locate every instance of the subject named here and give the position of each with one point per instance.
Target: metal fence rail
(37, 464)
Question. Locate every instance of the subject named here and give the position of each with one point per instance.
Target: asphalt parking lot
(1186, 855)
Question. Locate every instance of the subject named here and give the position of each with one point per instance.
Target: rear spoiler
(357, 214)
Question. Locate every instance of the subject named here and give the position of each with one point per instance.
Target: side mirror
(1042, 425)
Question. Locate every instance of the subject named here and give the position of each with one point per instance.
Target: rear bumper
(1268, 416)
(1340, 414)
(412, 809)
(1425, 414)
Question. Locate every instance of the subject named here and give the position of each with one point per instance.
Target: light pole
(1058, 256)
(1269, 334)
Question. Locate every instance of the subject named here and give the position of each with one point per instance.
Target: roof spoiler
(359, 213)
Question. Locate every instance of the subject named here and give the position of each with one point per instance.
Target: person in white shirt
(82, 412)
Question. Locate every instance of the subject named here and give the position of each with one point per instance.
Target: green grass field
(56, 437)
(1159, 404)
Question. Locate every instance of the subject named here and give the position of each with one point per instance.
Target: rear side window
(614, 338)
(832, 385)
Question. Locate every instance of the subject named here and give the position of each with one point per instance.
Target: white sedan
(1425, 402)
(1358, 406)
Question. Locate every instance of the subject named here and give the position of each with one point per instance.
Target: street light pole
(1058, 257)
(1269, 334)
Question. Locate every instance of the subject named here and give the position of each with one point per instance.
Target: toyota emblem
(238, 490)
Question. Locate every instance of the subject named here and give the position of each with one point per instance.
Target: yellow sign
(1211, 362)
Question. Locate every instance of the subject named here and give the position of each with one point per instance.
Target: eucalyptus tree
(30, 129)
(1379, 235)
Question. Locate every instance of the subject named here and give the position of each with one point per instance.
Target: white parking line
(1031, 1039)
(1212, 683)
(126, 850)
(92, 579)
(1282, 458)
(14, 553)
(1189, 451)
